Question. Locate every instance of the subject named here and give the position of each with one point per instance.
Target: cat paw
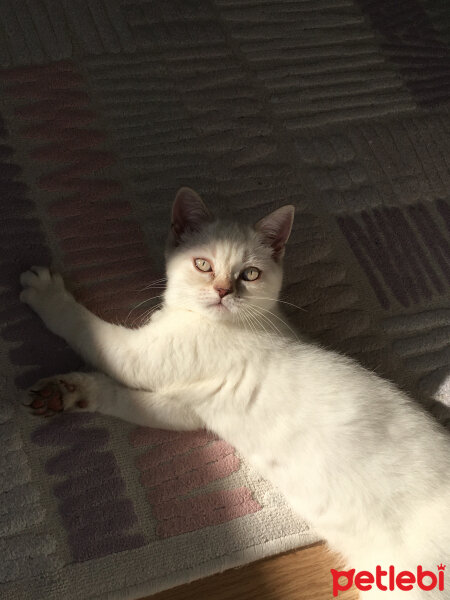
(59, 394)
(43, 290)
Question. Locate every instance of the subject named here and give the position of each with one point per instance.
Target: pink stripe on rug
(166, 451)
(187, 462)
(200, 476)
(146, 436)
(194, 513)
(73, 162)
(178, 463)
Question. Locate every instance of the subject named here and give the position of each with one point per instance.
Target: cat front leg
(110, 348)
(95, 392)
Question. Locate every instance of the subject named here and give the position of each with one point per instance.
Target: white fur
(352, 453)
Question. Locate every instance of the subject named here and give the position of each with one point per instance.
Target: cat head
(224, 270)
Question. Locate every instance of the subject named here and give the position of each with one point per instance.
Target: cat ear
(189, 213)
(276, 228)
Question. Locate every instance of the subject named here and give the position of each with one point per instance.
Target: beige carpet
(106, 108)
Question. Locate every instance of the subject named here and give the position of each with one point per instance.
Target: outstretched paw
(57, 394)
(45, 293)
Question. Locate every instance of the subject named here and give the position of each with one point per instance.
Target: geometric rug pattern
(340, 107)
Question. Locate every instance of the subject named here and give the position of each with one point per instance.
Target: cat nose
(223, 291)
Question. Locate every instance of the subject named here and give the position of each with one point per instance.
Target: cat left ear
(189, 213)
(276, 228)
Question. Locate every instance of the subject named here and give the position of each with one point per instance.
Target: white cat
(351, 452)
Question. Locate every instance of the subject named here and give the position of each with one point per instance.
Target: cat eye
(250, 274)
(202, 265)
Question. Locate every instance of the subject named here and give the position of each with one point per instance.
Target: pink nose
(222, 291)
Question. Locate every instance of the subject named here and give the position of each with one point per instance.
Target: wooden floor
(300, 575)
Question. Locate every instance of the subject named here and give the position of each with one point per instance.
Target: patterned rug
(340, 107)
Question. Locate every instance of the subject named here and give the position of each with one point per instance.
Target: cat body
(300, 415)
(351, 453)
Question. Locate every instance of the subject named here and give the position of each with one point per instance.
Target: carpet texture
(106, 108)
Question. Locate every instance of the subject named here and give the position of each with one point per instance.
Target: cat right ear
(189, 213)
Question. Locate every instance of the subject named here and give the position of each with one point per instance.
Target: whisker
(251, 322)
(281, 320)
(261, 315)
(139, 318)
(257, 316)
(243, 317)
(276, 317)
(148, 314)
(151, 287)
(140, 304)
(158, 280)
(278, 300)
(153, 284)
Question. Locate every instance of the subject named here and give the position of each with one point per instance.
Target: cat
(352, 454)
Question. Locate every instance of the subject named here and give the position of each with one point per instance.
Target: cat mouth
(218, 305)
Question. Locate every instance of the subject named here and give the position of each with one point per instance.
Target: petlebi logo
(389, 580)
